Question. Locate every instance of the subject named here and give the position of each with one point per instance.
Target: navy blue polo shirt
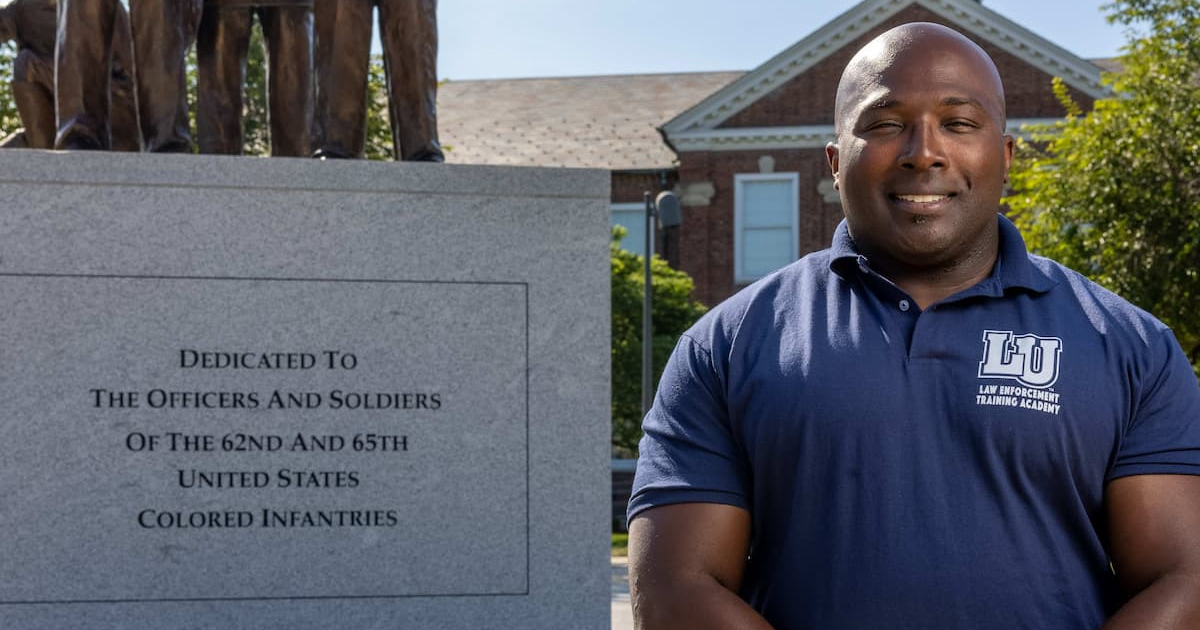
(936, 469)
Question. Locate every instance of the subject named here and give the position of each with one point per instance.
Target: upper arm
(1153, 497)
(1154, 528)
(690, 452)
(686, 562)
(689, 529)
(689, 541)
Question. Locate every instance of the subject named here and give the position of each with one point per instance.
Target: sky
(489, 39)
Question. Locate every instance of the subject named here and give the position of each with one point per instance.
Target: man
(32, 24)
(221, 50)
(408, 32)
(923, 426)
(163, 30)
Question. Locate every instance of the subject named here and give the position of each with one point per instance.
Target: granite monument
(245, 393)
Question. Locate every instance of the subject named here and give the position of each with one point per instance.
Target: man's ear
(831, 154)
(1009, 143)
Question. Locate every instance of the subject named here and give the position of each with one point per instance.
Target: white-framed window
(633, 217)
(766, 231)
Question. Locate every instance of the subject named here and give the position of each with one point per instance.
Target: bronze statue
(408, 32)
(162, 32)
(221, 49)
(32, 24)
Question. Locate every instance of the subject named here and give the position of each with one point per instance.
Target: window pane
(765, 250)
(767, 204)
(634, 222)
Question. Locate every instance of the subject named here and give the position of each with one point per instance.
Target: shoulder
(1106, 311)
(767, 303)
(1131, 345)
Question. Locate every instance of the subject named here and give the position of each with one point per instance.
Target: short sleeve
(687, 453)
(1164, 434)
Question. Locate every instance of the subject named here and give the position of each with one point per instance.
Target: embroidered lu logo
(1028, 359)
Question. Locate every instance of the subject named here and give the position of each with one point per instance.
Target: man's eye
(960, 125)
(883, 125)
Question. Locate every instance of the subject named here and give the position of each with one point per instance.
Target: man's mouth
(922, 198)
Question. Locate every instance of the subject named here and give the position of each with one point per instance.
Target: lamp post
(666, 208)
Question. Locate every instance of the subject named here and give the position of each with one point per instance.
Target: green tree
(1115, 192)
(10, 120)
(255, 127)
(674, 312)
(379, 130)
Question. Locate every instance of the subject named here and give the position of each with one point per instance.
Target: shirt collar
(1013, 268)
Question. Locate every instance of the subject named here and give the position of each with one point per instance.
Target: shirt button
(904, 305)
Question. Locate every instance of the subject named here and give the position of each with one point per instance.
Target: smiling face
(921, 156)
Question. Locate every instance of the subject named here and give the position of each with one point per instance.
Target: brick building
(745, 151)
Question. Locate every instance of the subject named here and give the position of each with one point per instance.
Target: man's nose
(923, 149)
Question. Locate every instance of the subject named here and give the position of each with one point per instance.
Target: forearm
(700, 603)
(1171, 602)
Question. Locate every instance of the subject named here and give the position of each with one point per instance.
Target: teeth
(921, 198)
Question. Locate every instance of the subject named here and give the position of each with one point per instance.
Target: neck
(930, 284)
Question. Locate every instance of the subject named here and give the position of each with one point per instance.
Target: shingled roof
(607, 122)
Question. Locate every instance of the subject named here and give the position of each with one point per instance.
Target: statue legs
(33, 92)
(15, 140)
(288, 32)
(343, 43)
(89, 72)
(408, 30)
(123, 114)
(85, 32)
(162, 32)
(222, 48)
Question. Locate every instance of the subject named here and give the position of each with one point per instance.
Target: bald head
(920, 45)
(921, 157)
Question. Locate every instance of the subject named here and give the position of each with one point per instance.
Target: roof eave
(998, 30)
